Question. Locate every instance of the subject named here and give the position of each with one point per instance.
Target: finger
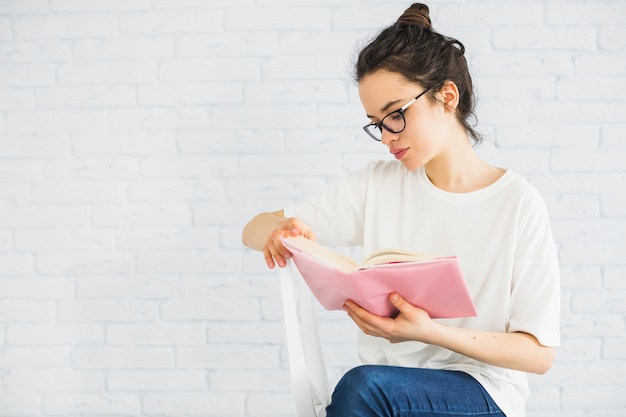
(276, 254)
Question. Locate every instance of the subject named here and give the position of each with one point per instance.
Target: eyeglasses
(394, 122)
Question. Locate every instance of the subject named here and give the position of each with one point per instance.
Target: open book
(434, 283)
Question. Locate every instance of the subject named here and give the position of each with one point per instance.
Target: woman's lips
(398, 153)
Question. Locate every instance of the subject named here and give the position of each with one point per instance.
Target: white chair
(309, 380)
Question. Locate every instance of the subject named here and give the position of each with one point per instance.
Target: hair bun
(417, 14)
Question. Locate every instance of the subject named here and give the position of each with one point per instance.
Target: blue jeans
(376, 390)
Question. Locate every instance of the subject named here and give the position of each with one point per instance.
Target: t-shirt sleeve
(336, 213)
(535, 292)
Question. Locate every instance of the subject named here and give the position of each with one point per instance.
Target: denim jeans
(376, 390)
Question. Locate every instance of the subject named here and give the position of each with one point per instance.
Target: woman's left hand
(411, 323)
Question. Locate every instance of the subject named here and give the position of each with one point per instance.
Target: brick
(157, 334)
(124, 48)
(107, 310)
(164, 214)
(592, 325)
(298, 18)
(64, 26)
(37, 240)
(187, 262)
(29, 357)
(600, 64)
(614, 348)
(71, 263)
(190, 94)
(16, 99)
(227, 69)
(53, 381)
(211, 308)
(274, 404)
(612, 37)
(194, 404)
(527, 63)
(548, 136)
(231, 140)
(307, 67)
(5, 29)
(587, 160)
(590, 88)
(234, 380)
(515, 87)
(54, 334)
(56, 121)
(19, 405)
(124, 143)
(612, 136)
(38, 146)
(85, 97)
(613, 206)
(582, 13)
(581, 38)
(297, 164)
(482, 14)
(599, 301)
(270, 333)
(175, 21)
(581, 278)
(168, 381)
(176, 190)
(17, 7)
(125, 358)
(79, 191)
(225, 285)
(189, 166)
(615, 278)
(577, 112)
(34, 50)
(227, 44)
(160, 118)
(25, 75)
(609, 397)
(92, 404)
(228, 356)
(95, 6)
(33, 288)
(103, 168)
(16, 264)
(110, 72)
(126, 286)
(44, 216)
(166, 238)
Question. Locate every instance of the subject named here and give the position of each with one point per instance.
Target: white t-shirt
(501, 235)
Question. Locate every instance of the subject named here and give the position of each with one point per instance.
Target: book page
(384, 256)
(324, 254)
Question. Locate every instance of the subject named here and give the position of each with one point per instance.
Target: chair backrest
(309, 380)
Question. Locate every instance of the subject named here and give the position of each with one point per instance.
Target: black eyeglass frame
(380, 125)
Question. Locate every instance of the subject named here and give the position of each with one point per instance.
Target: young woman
(437, 196)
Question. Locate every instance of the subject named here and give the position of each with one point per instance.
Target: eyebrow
(385, 107)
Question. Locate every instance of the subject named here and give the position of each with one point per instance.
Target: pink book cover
(436, 286)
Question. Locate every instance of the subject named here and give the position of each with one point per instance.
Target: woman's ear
(449, 95)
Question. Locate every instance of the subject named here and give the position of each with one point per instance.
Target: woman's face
(383, 92)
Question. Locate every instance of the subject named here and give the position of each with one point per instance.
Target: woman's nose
(386, 136)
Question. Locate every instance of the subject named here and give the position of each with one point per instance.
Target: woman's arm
(520, 351)
(264, 231)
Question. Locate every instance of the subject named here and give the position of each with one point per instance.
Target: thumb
(398, 301)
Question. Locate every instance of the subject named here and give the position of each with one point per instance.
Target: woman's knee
(359, 392)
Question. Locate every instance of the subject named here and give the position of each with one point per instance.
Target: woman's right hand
(274, 251)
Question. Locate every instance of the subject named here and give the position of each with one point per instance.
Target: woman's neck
(458, 169)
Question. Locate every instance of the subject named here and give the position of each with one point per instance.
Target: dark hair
(411, 48)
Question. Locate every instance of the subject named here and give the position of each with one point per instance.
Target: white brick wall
(138, 136)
